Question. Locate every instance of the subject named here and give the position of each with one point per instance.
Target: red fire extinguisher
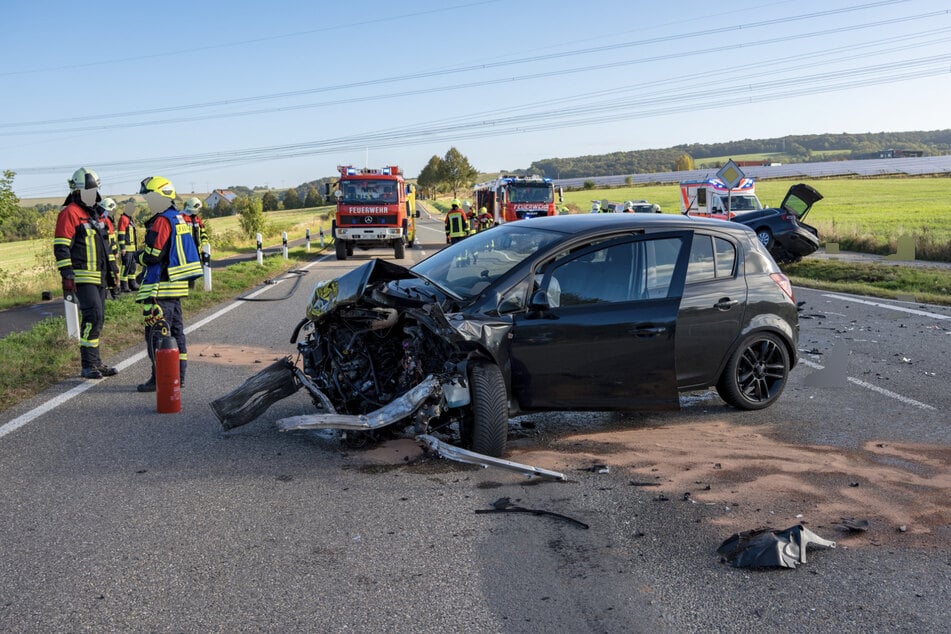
(168, 395)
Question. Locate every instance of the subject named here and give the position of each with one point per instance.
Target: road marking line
(874, 388)
(75, 391)
(888, 306)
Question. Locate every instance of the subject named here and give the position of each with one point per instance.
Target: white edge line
(75, 391)
(912, 311)
(874, 388)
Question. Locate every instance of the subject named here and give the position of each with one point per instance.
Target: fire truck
(510, 198)
(712, 198)
(375, 208)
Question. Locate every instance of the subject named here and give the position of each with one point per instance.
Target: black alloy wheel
(757, 372)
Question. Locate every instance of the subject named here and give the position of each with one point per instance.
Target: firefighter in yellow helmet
(170, 258)
(457, 223)
(485, 219)
(192, 207)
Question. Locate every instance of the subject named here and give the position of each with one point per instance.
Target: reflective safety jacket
(126, 233)
(169, 256)
(457, 224)
(82, 245)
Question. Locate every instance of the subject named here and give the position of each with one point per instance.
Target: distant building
(891, 153)
(215, 198)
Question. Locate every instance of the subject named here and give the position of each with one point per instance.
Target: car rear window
(710, 258)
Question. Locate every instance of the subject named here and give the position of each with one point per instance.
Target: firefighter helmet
(108, 205)
(455, 202)
(84, 178)
(159, 185)
(193, 205)
(483, 210)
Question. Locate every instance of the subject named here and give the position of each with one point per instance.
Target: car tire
(490, 416)
(756, 373)
(765, 236)
(341, 247)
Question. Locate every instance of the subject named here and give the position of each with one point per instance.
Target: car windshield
(360, 192)
(468, 267)
(531, 193)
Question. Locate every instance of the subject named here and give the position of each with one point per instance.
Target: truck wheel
(490, 416)
(399, 249)
(341, 247)
(756, 374)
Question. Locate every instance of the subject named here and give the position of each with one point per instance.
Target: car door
(604, 339)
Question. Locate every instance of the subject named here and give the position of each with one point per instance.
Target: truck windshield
(530, 194)
(360, 192)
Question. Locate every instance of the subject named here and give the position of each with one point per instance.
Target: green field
(860, 214)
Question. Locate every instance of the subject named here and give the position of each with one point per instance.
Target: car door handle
(647, 331)
(726, 304)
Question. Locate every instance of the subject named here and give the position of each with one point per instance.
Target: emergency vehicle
(713, 199)
(509, 198)
(375, 208)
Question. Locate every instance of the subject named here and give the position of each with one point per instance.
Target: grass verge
(44, 356)
(929, 286)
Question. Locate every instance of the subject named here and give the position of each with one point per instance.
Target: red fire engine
(510, 198)
(375, 208)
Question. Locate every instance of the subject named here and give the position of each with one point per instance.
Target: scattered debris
(903, 529)
(906, 360)
(662, 498)
(854, 525)
(451, 452)
(597, 468)
(766, 548)
(504, 505)
(635, 483)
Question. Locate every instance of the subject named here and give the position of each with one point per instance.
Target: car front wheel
(490, 416)
(757, 372)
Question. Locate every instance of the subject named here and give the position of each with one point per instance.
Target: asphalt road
(116, 518)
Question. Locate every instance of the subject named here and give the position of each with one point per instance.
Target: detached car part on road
(577, 312)
(782, 230)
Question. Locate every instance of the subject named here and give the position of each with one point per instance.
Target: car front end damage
(377, 354)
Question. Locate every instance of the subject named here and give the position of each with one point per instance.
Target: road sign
(731, 174)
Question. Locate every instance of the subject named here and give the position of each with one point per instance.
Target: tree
(291, 199)
(456, 172)
(428, 178)
(313, 199)
(251, 214)
(269, 201)
(683, 163)
(9, 203)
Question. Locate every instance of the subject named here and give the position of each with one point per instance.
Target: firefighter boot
(124, 286)
(148, 386)
(133, 284)
(89, 359)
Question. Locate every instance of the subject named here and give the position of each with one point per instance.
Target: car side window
(700, 267)
(726, 257)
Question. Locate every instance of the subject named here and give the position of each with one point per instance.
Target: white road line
(75, 391)
(912, 311)
(874, 388)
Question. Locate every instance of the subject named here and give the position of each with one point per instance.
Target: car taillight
(783, 282)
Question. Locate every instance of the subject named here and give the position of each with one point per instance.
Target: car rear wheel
(757, 372)
(765, 236)
(490, 416)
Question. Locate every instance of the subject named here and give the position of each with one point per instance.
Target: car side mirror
(540, 302)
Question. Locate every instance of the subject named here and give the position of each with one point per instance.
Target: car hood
(799, 200)
(329, 295)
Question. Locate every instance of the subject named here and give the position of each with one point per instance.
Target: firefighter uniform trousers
(91, 299)
(172, 311)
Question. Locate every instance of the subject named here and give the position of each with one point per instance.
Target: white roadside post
(307, 236)
(321, 236)
(206, 265)
(260, 250)
(284, 243)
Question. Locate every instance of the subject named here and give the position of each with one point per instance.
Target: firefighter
(457, 223)
(106, 209)
(128, 241)
(81, 247)
(170, 259)
(192, 207)
(485, 219)
(595, 206)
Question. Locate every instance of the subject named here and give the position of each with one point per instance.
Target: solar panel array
(913, 166)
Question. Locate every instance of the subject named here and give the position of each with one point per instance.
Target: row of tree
(452, 172)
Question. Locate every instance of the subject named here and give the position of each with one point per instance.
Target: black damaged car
(576, 312)
(782, 230)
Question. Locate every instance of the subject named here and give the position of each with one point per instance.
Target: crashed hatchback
(576, 312)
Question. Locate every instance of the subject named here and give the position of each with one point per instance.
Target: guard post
(284, 243)
(260, 250)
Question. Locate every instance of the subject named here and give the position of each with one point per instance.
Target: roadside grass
(929, 286)
(43, 356)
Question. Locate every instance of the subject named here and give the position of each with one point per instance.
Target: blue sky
(212, 94)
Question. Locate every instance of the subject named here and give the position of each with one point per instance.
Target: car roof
(581, 223)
